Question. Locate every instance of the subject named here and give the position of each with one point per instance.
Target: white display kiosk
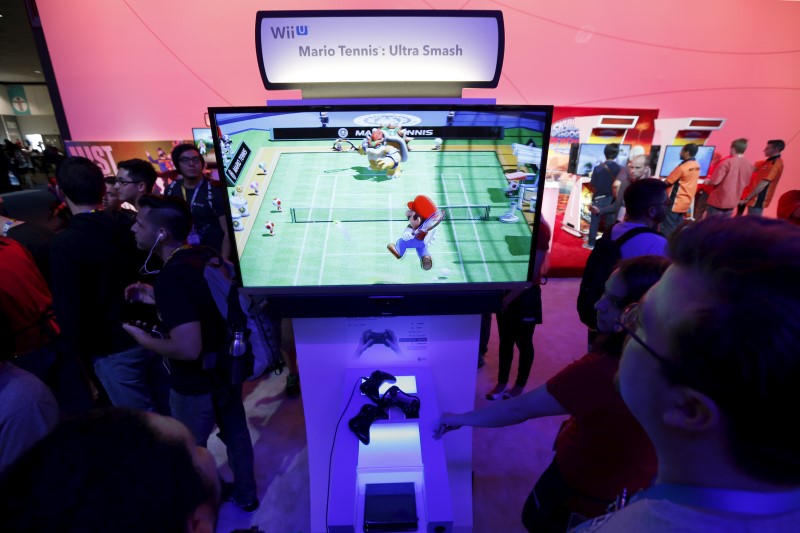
(438, 367)
(436, 354)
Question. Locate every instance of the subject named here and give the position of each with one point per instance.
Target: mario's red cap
(423, 206)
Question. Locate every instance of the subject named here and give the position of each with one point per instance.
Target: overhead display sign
(301, 48)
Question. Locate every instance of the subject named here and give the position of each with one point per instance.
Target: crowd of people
(677, 412)
(79, 308)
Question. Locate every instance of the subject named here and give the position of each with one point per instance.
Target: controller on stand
(373, 383)
(361, 423)
(395, 397)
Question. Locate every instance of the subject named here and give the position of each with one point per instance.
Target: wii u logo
(288, 32)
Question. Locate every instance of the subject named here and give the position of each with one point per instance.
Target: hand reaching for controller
(447, 422)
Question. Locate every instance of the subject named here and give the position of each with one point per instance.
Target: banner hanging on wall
(107, 154)
(18, 99)
(298, 48)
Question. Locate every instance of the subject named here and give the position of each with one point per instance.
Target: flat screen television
(672, 158)
(205, 143)
(591, 155)
(318, 194)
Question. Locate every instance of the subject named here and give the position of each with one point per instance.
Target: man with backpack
(602, 185)
(646, 203)
(195, 338)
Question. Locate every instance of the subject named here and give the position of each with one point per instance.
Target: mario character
(270, 227)
(277, 203)
(201, 147)
(420, 210)
(385, 152)
(254, 187)
(263, 167)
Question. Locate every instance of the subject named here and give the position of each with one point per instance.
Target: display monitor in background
(316, 198)
(591, 155)
(672, 158)
(204, 142)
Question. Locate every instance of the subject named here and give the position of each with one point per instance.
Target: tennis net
(375, 214)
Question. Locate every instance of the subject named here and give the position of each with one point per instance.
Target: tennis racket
(431, 222)
(343, 145)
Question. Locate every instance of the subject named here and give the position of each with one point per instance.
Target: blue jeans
(608, 219)
(135, 378)
(223, 407)
(671, 223)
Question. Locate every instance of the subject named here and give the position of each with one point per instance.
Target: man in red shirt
(601, 450)
(728, 181)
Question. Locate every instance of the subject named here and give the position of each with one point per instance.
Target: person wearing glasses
(601, 449)
(135, 178)
(711, 372)
(206, 200)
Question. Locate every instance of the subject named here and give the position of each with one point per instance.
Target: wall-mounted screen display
(592, 155)
(672, 158)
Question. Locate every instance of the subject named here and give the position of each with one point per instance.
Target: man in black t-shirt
(601, 183)
(91, 263)
(194, 330)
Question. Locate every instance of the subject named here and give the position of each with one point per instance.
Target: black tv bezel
(488, 84)
(666, 147)
(390, 299)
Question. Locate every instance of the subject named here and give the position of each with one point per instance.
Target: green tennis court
(330, 192)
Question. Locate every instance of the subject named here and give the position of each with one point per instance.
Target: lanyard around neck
(196, 190)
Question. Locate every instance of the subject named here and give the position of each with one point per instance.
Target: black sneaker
(248, 507)
(226, 495)
(293, 385)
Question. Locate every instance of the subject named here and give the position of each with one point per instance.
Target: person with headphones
(194, 333)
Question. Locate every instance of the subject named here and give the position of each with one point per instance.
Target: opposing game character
(385, 152)
(263, 166)
(270, 227)
(423, 217)
(254, 187)
(277, 203)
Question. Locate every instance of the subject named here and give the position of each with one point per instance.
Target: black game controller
(150, 329)
(379, 337)
(360, 423)
(395, 397)
(372, 384)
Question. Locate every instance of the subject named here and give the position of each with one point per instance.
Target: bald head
(637, 166)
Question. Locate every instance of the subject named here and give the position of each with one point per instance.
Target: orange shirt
(684, 177)
(768, 170)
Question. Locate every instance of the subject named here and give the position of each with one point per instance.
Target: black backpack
(604, 257)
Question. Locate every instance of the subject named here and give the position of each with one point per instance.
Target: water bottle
(238, 349)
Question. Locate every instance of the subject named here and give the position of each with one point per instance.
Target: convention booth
(370, 213)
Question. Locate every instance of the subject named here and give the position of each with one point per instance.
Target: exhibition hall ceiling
(19, 62)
